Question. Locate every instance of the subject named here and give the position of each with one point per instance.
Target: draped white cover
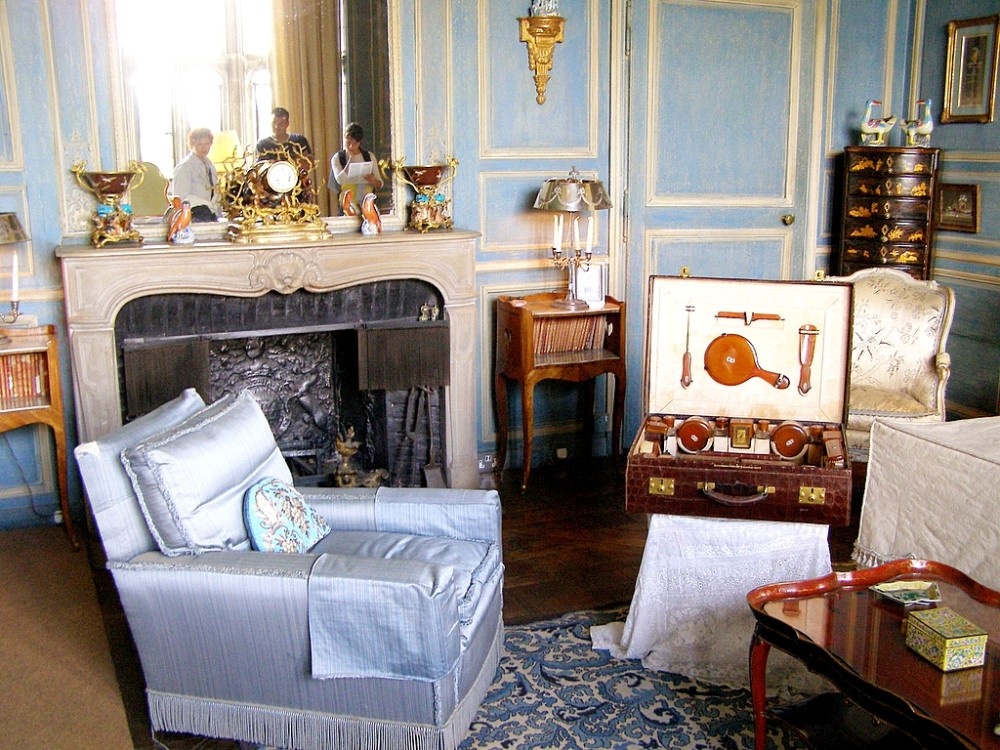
(689, 613)
(931, 494)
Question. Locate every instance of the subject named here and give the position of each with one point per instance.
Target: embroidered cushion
(190, 479)
(278, 518)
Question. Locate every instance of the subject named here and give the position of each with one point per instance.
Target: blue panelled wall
(467, 92)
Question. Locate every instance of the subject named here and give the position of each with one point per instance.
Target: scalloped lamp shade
(225, 147)
(572, 194)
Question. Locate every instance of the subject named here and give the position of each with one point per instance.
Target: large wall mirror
(224, 64)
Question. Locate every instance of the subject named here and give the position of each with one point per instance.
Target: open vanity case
(746, 396)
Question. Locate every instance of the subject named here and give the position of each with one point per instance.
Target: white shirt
(194, 181)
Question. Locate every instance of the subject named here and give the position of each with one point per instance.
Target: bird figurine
(874, 129)
(918, 132)
(347, 203)
(179, 230)
(372, 222)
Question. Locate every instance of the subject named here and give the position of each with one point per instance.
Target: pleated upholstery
(210, 631)
(112, 500)
(190, 479)
(395, 605)
(224, 636)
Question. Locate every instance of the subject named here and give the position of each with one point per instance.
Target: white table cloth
(933, 492)
(689, 614)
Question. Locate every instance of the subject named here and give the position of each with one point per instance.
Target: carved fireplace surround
(98, 282)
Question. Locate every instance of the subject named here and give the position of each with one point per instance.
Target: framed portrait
(591, 283)
(958, 208)
(971, 71)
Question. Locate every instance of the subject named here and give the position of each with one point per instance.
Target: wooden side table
(31, 393)
(855, 638)
(538, 340)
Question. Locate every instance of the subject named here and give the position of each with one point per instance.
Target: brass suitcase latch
(661, 486)
(812, 495)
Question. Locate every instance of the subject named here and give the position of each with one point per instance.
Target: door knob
(788, 219)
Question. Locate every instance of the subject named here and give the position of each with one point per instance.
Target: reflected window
(202, 63)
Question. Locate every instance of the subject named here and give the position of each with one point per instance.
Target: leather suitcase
(745, 386)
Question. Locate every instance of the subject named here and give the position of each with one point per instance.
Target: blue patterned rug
(553, 690)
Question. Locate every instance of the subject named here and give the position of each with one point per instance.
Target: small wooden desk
(854, 637)
(31, 393)
(537, 340)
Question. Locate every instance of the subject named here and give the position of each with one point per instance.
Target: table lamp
(572, 194)
(11, 233)
(226, 149)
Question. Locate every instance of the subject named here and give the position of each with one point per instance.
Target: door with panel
(722, 174)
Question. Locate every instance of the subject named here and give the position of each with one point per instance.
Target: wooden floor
(568, 545)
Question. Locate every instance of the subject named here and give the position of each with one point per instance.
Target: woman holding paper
(354, 169)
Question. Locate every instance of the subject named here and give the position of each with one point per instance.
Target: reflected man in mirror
(195, 177)
(293, 146)
(354, 171)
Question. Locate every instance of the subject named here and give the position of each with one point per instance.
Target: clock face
(281, 176)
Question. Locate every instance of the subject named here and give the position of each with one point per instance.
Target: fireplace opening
(351, 381)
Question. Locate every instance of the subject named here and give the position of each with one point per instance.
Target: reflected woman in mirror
(355, 170)
(195, 177)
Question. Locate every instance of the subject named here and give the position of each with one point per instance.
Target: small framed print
(590, 284)
(971, 71)
(958, 208)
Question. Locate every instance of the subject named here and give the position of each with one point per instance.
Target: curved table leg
(527, 426)
(500, 385)
(619, 413)
(759, 650)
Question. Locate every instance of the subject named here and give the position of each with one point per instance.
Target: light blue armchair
(386, 634)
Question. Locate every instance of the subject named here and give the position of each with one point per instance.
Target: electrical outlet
(487, 462)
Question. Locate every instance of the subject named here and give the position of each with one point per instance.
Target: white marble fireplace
(98, 282)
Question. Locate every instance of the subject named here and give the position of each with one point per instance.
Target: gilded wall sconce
(541, 31)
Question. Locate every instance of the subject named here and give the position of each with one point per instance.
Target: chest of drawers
(888, 209)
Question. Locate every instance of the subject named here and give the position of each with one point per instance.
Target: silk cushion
(191, 479)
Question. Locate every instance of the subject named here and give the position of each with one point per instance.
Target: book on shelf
(24, 380)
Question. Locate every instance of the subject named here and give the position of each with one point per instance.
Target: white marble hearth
(98, 282)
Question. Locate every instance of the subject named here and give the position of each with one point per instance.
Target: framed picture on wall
(958, 208)
(971, 71)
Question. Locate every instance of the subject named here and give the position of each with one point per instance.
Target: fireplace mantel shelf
(98, 281)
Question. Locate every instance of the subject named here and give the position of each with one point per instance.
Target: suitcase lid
(778, 350)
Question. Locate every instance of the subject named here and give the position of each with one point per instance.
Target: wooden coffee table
(854, 637)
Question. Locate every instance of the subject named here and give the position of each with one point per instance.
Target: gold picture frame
(971, 72)
(958, 208)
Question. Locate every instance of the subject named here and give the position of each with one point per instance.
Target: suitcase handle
(735, 494)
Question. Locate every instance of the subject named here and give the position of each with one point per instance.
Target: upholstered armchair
(378, 625)
(899, 366)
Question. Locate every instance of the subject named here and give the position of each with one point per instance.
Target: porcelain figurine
(918, 132)
(371, 224)
(179, 231)
(347, 203)
(874, 129)
(544, 8)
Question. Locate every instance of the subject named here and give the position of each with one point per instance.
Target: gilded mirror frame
(126, 147)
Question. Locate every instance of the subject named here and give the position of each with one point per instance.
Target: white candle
(13, 283)
(590, 234)
(576, 235)
(555, 231)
